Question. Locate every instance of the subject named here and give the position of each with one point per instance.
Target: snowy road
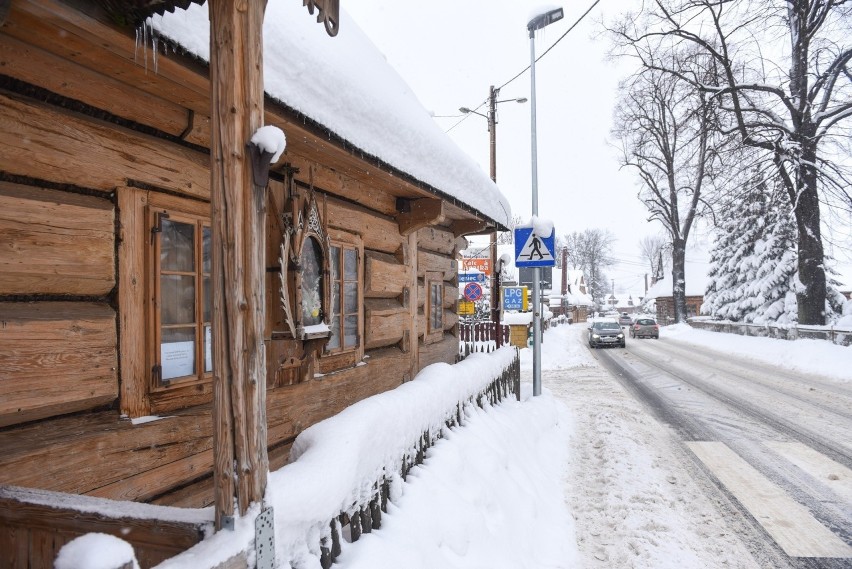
(775, 443)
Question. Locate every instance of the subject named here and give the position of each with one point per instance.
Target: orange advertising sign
(483, 265)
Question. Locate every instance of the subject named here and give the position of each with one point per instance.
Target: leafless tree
(785, 80)
(669, 134)
(591, 252)
(654, 250)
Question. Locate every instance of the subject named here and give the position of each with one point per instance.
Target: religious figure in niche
(312, 286)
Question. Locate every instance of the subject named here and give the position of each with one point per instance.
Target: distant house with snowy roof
(696, 284)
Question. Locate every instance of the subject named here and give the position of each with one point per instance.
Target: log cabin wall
(89, 165)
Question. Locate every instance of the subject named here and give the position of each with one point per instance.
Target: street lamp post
(536, 23)
(491, 117)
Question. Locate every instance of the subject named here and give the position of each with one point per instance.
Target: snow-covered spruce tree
(754, 262)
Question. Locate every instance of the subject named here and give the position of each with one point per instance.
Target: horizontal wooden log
(24, 513)
(70, 79)
(55, 242)
(55, 358)
(420, 213)
(292, 409)
(384, 276)
(43, 142)
(433, 262)
(451, 296)
(379, 233)
(144, 486)
(385, 321)
(99, 449)
(436, 239)
(443, 351)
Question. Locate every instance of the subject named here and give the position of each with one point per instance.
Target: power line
(574, 25)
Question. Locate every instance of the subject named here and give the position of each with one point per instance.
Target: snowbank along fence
(344, 470)
(839, 336)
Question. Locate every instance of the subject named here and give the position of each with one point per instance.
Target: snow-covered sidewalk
(579, 477)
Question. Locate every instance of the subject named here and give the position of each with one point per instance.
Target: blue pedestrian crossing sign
(532, 250)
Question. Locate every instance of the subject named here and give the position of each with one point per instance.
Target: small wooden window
(182, 298)
(345, 299)
(434, 307)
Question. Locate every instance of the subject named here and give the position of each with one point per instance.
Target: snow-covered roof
(345, 84)
(695, 274)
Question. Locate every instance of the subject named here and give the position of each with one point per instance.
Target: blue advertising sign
(471, 277)
(515, 298)
(533, 250)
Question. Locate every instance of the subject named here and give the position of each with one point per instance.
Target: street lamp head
(521, 100)
(545, 19)
(465, 110)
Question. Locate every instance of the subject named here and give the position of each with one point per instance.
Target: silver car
(645, 328)
(606, 333)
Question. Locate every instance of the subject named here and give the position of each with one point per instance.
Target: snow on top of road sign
(540, 226)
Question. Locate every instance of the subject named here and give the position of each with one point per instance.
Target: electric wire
(527, 68)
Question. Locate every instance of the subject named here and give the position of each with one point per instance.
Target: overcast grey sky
(450, 52)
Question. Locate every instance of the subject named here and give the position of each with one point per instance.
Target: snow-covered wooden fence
(480, 337)
(344, 470)
(839, 336)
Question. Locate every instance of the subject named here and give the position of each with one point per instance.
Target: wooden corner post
(238, 219)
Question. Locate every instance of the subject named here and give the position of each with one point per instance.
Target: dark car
(606, 333)
(645, 328)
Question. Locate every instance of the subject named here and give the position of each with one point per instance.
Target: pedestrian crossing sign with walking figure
(533, 250)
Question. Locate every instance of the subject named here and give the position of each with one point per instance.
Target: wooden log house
(105, 263)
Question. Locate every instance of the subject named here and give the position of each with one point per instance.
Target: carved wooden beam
(469, 226)
(418, 213)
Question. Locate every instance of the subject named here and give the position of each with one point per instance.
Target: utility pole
(495, 280)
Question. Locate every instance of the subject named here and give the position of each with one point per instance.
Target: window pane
(177, 246)
(335, 301)
(177, 299)
(350, 265)
(311, 260)
(207, 250)
(350, 331)
(334, 339)
(208, 348)
(177, 352)
(350, 301)
(207, 316)
(335, 262)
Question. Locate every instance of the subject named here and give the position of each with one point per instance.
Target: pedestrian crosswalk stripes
(789, 523)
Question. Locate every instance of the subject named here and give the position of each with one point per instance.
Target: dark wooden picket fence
(480, 337)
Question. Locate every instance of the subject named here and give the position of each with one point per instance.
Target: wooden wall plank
(384, 276)
(294, 408)
(436, 239)
(98, 449)
(443, 351)
(57, 242)
(55, 358)
(379, 233)
(385, 321)
(144, 486)
(133, 240)
(432, 262)
(70, 79)
(42, 142)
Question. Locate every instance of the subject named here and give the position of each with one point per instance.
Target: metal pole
(536, 270)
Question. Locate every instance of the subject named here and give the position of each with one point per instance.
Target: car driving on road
(606, 333)
(624, 319)
(645, 328)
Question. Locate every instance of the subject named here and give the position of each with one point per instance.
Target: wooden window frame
(432, 332)
(155, 217)
(137, 295)
(345, 357)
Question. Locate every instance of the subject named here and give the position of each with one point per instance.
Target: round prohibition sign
(472, 291)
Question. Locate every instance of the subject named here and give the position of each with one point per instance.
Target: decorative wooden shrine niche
(306, 293)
